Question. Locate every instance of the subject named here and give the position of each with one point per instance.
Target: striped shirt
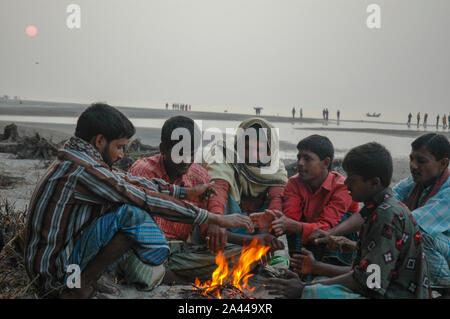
(78, 188)
(433, 217)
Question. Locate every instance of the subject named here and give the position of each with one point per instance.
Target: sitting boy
(315, 198)
(427, 194)
(389, 239)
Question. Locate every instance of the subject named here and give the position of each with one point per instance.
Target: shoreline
(48, 108)
(398, 133)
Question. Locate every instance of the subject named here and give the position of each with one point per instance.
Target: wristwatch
(183, 193)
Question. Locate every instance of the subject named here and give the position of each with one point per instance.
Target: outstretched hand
(318, 236)
(232, 221)
(282, 224)
(341, 244)
(303, 263)
(289, 288)
(263, 220)
(216, 238)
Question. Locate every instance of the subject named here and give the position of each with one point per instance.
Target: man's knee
(130, 215)
(155, 256)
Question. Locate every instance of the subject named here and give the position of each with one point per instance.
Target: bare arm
(305, 263)
(348, 226)
(345, 280)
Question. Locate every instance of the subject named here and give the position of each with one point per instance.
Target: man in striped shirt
(83, 213)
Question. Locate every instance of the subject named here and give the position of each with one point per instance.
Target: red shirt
(153, 167)
(323, 209)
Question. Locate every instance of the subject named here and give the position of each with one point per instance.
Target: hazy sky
(232, 54)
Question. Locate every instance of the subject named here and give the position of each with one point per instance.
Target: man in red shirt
(189, 257)
(314, 198)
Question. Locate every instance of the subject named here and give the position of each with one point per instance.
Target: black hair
(179, 122)
(370, 160)
(100, 118)
(319, 145)
(437, 144)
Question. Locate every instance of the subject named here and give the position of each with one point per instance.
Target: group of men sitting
(164, 221)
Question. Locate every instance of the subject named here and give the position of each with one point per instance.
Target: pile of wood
(135, 150)
(226, 291)
(7, 181)
(27, 147)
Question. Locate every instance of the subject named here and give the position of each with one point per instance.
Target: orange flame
(240, 272)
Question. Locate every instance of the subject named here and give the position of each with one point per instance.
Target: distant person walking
(167, 106)
(338, 115)
(437, 122)
(301, 114)
(293, 112)
(444, 122)
(409, 119)
(425, 119)
(418, 119)
(326, 114)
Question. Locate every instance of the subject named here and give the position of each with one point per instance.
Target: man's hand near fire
(231, 221)
(276, 221)
(273, 242)
(338, 243)
(216, 238)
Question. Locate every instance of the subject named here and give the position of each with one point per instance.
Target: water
(342, 141)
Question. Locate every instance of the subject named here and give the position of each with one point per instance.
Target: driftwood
(6, 180)
(27, 147)
(10, 133)
(135, 150)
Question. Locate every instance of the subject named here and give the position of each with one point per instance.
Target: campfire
(232, 283)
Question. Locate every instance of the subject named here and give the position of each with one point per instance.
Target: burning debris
(226, 283)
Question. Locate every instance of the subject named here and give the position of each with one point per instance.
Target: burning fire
(238, 276)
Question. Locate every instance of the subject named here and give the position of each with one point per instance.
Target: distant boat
(373, 114)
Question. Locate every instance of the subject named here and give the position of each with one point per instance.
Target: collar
(328, 182)
(80, 145)
(371, 206)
